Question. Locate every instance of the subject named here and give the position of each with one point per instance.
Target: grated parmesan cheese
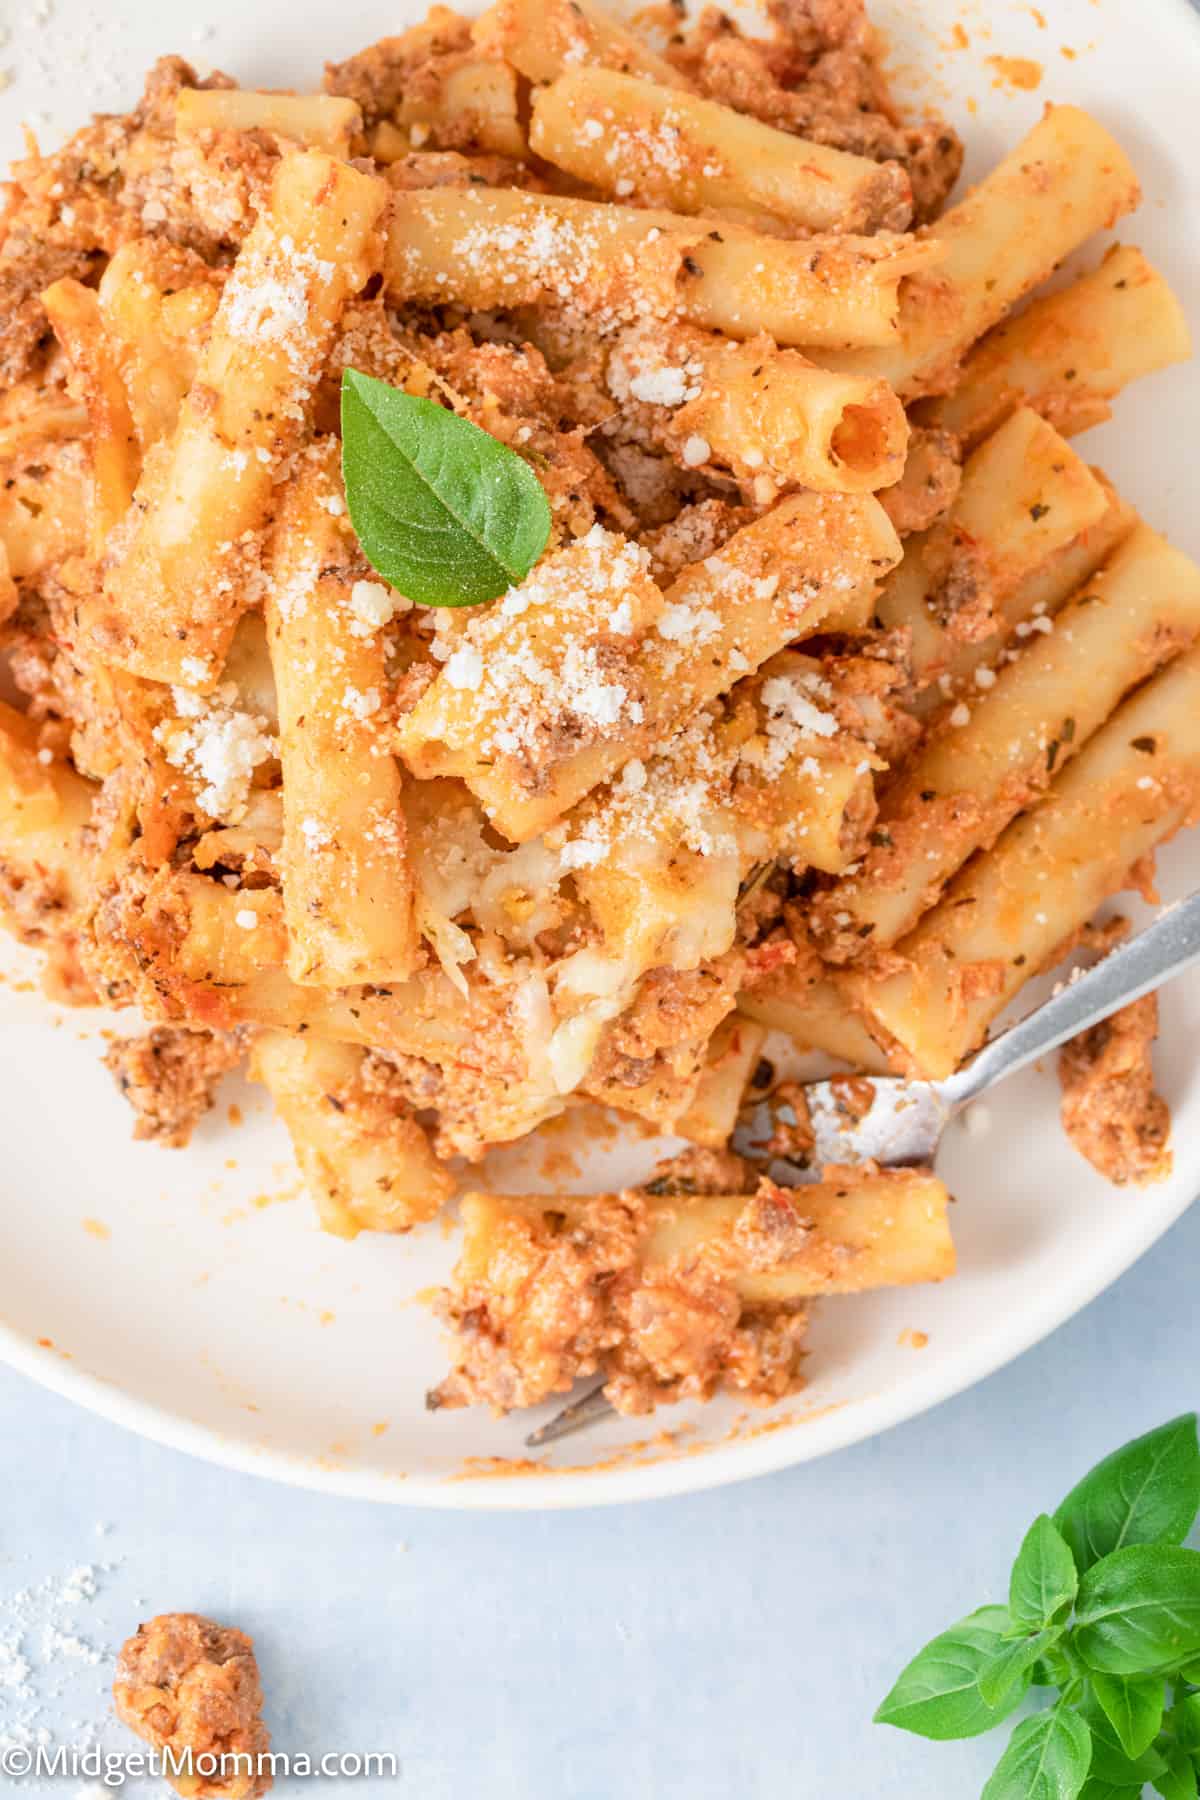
(572, 685)
(217, 746)
(661, 387)
(270, 305)
(361, 704)
(464, 668)
(373, 606)
(791, 716)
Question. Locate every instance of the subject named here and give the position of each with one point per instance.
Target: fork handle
(1165, 948)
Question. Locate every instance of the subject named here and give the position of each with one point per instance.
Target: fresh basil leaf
(443, 512)
(990, 1618)
(1056, 1668)
(1109, 1761)
(1044, 1577)
(1047, 1758)
(937, 1695)
(1013, 1663)
(1184, 1721)
(1146, 1493)
(1134, 1706)
(1178, 1779)
(1191, 1673)
(1104, 1790)
(1139, 1610)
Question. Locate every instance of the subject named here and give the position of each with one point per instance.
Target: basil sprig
(1103, 1605)
(443, 511)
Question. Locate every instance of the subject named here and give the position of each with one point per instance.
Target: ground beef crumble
(188, 1684)
(819, 76)
(169, 1077)
(543, 1297)
(1110, 1110)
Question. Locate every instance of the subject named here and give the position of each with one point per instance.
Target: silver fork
(898, 1123)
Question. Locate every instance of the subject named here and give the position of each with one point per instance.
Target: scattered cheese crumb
(373, 606)
(246, 917)
(360, 704)
(464, 669)
(696, 450)
(217, 746)
(680, 622)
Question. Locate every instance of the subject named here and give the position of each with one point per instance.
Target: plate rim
(844, 1424)
(566, 1489)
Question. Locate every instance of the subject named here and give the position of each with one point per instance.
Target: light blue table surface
(731, 1643)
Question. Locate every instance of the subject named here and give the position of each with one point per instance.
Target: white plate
(235, 1330)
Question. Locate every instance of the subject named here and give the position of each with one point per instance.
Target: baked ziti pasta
(527, 570)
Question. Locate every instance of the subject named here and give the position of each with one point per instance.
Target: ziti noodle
(841, 694)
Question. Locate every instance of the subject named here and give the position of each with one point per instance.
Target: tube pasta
(661, 147)
(195, 958)
(804, 788)
(180, 579)
(814, 1010)
(9, 597)
(347, 881)
(248, 666)
(1006, 915)
(367, 1165)
(74, 312)
(674, 1294)
(731, 1061)
(217, 944)
(855, 1229)
(474, 108)
(1066, 179)
(547, 693)
(43, 510)
(500, 247)
(1042, 591)
(1025, 497)
(44, 813)
(825, 293)
(157, 302)
(816, 813)
(658, 903)
(541, 38)
(813, 562)
(660, 1099)
(970, 779)
(528, 758)
(1069, 354)
(659, 858)
(766, 414)
(317, 121)
(31, 428)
